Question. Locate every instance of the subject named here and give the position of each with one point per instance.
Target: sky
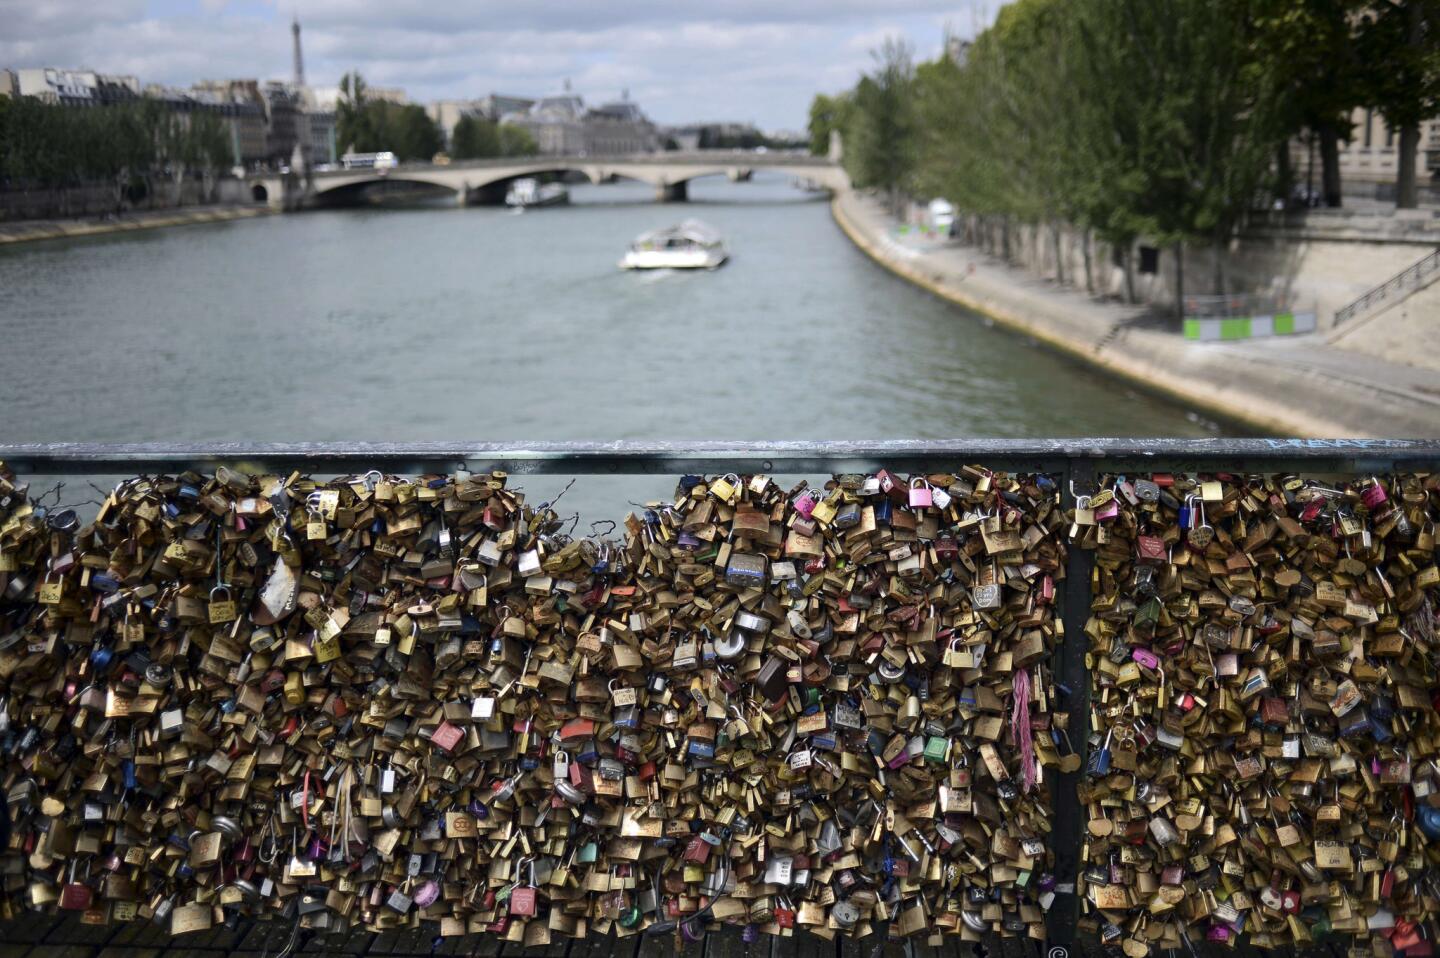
(758, 61)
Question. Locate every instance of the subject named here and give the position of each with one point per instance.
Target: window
(1149, 259)
(1369, 128)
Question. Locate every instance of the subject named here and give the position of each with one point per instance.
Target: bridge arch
(668, 173)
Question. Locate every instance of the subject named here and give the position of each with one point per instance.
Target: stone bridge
(480, 181)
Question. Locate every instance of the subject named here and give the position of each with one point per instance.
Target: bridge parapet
(667, 172)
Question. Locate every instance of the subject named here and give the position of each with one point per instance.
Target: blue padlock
(1429, 819)
(1099, 761)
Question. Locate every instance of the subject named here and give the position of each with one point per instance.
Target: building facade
(561, 125)
(9, 85)
(75, 87)
(1371, 157)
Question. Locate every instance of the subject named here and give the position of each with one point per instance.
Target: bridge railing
(696, 157)
(1074, 463)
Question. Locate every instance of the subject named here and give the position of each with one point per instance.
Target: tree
(1312, 48)
(517, 141)
(879, 150)
(829, 114)
(352, 126)
(1187, 148)
(475, 138)
(366, 125)
(1399, 42)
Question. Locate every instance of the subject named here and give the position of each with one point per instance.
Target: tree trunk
(1180, 284)
(1407, 193)
(1129, 260)
(1284, 173)
(1089, 277)
(1059, 262)
(1330, 165)
(1222, 250)
(1005, 239)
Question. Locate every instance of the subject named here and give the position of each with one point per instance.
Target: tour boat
(690, 245)
(528, 192)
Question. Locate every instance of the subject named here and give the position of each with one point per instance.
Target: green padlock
(936, 748)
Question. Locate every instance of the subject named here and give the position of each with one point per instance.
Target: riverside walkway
(1292, 386)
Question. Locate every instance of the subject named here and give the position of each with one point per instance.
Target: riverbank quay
(1284, 386)
(29, 231)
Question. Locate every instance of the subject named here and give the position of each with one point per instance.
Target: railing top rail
(788, 456)
(1377, 293)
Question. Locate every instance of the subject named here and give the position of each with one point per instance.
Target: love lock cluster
(378, 701)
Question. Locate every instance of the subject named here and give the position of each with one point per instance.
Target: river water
(477, 324)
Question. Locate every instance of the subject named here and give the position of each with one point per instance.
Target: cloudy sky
(744, 60)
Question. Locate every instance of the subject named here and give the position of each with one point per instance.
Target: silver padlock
(779, 869)
(796, 620)
(731, 646)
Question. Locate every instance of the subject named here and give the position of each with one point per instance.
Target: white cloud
(746, 60)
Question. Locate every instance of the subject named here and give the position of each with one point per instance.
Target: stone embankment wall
(101, 200)
(1320, 259)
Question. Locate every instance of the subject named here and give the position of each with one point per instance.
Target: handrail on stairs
(1405, 279)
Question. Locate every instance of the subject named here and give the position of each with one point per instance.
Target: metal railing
(1409, 278)
(1074, 463)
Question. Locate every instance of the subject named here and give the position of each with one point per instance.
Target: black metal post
(1073, 684)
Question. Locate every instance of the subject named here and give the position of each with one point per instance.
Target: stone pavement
(1299, 386)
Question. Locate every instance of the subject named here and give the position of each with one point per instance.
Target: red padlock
(76, 896)
(697, 850)
(523, 898)
(522, 902)
(784, 914)
(446, 737)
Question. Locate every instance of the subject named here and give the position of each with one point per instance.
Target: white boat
(529, 192)
(690, 245)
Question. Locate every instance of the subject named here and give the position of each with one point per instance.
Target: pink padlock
(1108, 511)
(1146, 658)
(1374, 495)
(920, 495)
(805, 502)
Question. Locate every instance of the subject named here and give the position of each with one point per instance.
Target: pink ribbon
(1020, 728)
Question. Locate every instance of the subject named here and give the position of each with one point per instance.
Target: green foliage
(827, 113)
(517, 141)
(478, 138)
(48, 145)
(366, 125)
(1131, 117)
(1400, 40)
(879, 137)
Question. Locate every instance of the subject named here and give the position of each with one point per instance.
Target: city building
(390, 94)
(1370, 159)
(561, 125)
(957, 49)
(266, 122)
(496, 105)
(618, 127)
(446, 114)
(1373, 153)
(715, 136)
(284, 116)
(241, 106)
(75, 87)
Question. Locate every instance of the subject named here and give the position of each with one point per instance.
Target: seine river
(446, 323)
